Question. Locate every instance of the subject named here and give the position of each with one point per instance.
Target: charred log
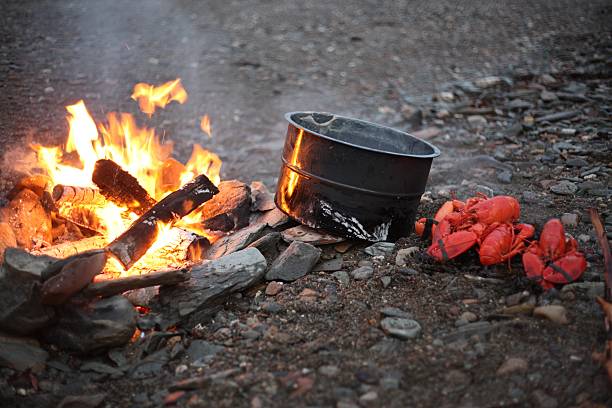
(116, 286)
(77, 195)
(130, 246)
(120, 187)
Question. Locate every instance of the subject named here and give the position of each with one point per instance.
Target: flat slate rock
(380, 249)
(236, 241)
(309, 235)
(24, 264)
(210, 284)
(98, 325)
(274, 218)
(331, 265)
(362, 273)
(19, 353)
(202, 351)
(269, 245)
(297, 260)
(262, 199)
(229, 209)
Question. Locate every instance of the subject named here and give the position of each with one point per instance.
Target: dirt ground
(245, 63)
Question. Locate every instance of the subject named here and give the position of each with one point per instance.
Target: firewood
(77, 195)
(66, 249)
(116, 286)
(120, 187)
(130, 246)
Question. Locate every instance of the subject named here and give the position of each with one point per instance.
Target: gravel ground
(319, 341)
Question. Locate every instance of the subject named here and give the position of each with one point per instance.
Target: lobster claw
(566, 269)
(452, 245)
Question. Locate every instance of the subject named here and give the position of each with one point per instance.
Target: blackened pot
(351, 177)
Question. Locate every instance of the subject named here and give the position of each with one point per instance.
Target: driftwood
(120, 187)
(116, 286)
(77, 195)
(130, 246)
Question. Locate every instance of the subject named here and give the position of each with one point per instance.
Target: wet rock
(7, 239)
(569, 220)
(400, 327)
(343, 277)
(261, 198)
(269, 245)
(202, 352)
(274, 288)
(404, 255)
(98, 325)
(28, 219)
(236, 241)
(512, 365)
(380, 249)
(302, 233)
(330, 265)
(362, 273)
(82, 401)
(564, 187)
(210, 283)
(297, 260)
(20, 354)
(554, 313)
(232, 203)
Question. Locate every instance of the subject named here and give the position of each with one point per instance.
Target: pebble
(542, 400)
(49, 89)
(548, 96)
(517, 298)
(386, 281)
(308, 295)
(548, 79)
(477, 121)
(564, 187)
(395, 312)
(329, 370)
(274, 288)
(468, 317)
(408, 271)
(592, 289)
(369, 398)
(362, 273)
(271, 307)
(504, 177)
(405, 254)
(554, 313)
(512, 365)
(342, 277)
(569, 220)
(400, 327)
(380, 249)
(530, 197)
(576, 162)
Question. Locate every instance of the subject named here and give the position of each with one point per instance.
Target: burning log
(130, 246)
(120, 187)
(77, 195)
(68, 249)
(117, 286)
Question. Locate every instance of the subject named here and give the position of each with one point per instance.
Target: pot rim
(436, 151)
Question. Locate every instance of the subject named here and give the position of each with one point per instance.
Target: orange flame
(149, 97)
(136, 149)
(205, 125)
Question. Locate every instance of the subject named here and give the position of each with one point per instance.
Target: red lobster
(487, 222)
(554, 259)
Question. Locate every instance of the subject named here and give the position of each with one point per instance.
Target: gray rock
(98, 325)
(150, 366)
(404, 255)
(477, 121)
(211, 282)
(229, 209)
(262, 199)
(20, 353)
(274, 218)
(271, 307)
(362, 273)
(591, 289)
(400, 327)
(101, 368)
(329, 370)
(505, 177)
(202, 351)
(395, 312)
(576, 162)
(342, 277)
(331, 265)
(386, 281)
(236, 241)
(380, 249)
(22, 264)
(542, 400)
(519, 104)
(554, 313)
(297, 260)
(564, 187)
(269, 246)
(82, 401)
(569, 220)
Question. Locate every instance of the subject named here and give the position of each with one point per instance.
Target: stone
(468, 317)
(229, 209)
(101, 368)
(236, 241)
(82, 401)
(302, 233)
(24, 264)
(564, 187)
(548, 96)
(273, 218)
(329, 370)
(512, 365)
(202, 351)
(343, 277)
(401, 328)
(308, 295)
(100, 324)
(395, 312)
(404, 255)
(7, 239)
(380, 249)
(542, 400)
(261, 198)
(548, 79)
(504, 177)
(20, 354)
(386, 281)
(28, 219)
(362, 273)
(569, 220)
(427, 133)
(269, 245)
(519, 104)
(576, 162)
(297, 260)
(211, 282)
(369, 398)
(271, 307)
(591, 289)
(331, 265)
(554, 313)
(274, 288)
(477, 121)
(488, 82)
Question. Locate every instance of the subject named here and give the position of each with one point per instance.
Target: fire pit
(351, 177)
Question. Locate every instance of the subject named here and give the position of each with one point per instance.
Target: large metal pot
(351, 177)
